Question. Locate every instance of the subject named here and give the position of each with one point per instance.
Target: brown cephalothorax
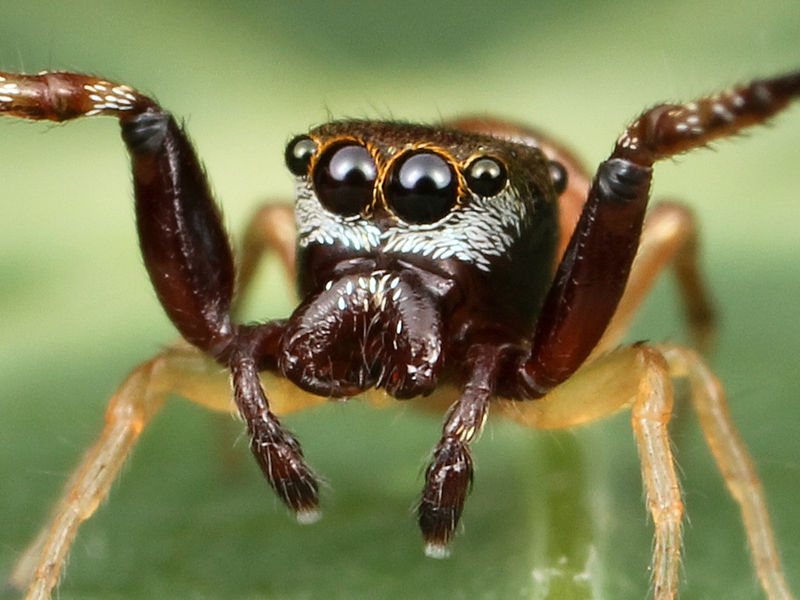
(474, 256)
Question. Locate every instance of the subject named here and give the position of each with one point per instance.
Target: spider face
(401, 189)
(392, 215)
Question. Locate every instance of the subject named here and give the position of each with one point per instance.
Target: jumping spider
(474, 256)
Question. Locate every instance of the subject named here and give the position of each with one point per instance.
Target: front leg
(184, 245)
(591, 277)
(185, 249)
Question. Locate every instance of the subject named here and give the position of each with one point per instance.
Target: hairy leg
(735, 464)
(185, 249)
(650, 415)
(634, 377)
(591, 277)
(639, 377)
(182, 370)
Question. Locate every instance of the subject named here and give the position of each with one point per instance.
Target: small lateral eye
(298, 154)
(558, 174)
(486, 176)
(422, 188)
(344, 177)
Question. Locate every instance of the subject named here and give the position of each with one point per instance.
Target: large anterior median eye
(344, 177)
(422, 188)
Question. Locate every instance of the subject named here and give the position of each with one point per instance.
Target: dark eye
(486, 176)
(422, 188)
(344, 177)
(559, 176)
(298, 154)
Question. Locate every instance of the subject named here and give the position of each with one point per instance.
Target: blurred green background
(552, 515)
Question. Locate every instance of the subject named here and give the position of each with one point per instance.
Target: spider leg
(271, 228)
(185, 249)
(181, 370)
(591, 278)
(734, 463)
(640, 377)
(184, 245)
(635, 377)
(669, 237)
(650, 414)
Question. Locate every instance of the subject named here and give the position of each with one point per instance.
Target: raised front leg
(184, 246)
(669, 238)
(185, 250)
(591, 277)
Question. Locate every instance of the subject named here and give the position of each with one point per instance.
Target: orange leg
(137, 400)
(636, 378)
(182, 370)
(606, 383)
(271, 228)
(640, 378)
(735, 464)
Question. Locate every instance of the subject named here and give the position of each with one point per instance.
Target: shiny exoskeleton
(425, 256)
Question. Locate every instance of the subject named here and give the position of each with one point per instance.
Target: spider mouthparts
(446, 483)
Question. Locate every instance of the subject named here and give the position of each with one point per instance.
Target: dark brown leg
(591, 277)
(449, 475)
(185, 249)
(277, 451)
(669, 237)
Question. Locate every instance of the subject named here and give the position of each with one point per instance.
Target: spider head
(475, 210)
(408, 237)
(425, 195)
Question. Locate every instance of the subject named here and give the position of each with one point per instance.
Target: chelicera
(467, 265)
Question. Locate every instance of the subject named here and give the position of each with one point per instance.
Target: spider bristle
(433, 550)
(308, 516)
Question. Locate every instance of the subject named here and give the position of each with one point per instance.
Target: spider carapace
(475, 255)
